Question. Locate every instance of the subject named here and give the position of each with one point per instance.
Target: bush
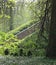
(10, 45)
(21, 52)
(6, 51)
(41, 52)
(29, 53)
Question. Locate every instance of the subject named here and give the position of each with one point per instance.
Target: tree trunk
(11, 19)
(51, 49)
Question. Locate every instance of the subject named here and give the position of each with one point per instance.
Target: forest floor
(9, 60)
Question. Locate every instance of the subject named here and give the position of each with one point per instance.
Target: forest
(27, 32)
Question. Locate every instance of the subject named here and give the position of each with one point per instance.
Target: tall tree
(51, 50)
(11, 18)
(11, 5)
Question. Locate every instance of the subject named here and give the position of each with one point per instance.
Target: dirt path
(27, 31)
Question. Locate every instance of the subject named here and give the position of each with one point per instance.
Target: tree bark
(11, 19)
(51, 49)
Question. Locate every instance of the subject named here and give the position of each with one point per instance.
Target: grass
(10, 60)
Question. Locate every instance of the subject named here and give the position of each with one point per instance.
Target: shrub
(41, 52)
(6, 51)
(21, 52)
(29, 53)
(10, 45)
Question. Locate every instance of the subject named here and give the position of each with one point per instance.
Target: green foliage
(37, 9)
(33, 45)
(5, 9)
(10, 45)
(21, 14)
(22, 27)
(28, 13)
(8, 42)
(7, 4)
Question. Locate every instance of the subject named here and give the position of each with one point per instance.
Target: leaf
(1, 16)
